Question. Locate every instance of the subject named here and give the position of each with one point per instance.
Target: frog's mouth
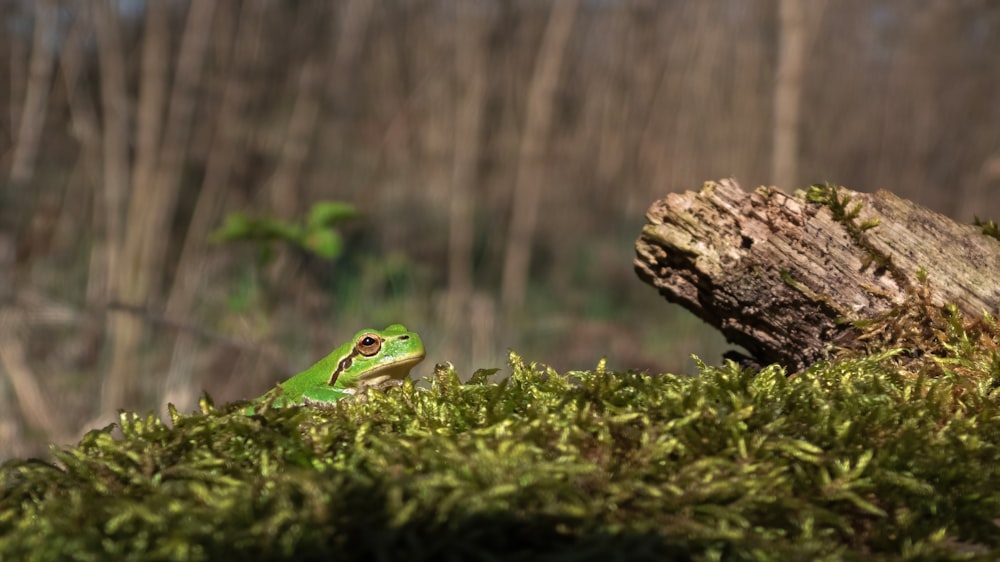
(396, 370)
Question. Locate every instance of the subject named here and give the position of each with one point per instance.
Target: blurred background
(500, 156)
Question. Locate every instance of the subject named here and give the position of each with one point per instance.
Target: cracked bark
(787, 280)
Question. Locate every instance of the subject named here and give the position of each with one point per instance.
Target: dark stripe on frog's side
(344, 364)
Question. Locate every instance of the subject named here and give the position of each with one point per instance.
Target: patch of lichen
(850, 459)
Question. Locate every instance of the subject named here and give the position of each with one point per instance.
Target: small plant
(317, 235)
(989, 227)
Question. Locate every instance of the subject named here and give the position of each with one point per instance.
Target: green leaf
(326, 213)
(481, 376)
(237, 226)
(325, 243)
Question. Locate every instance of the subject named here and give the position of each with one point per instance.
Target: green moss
(849, 460)
(988, 227)
(847, 214)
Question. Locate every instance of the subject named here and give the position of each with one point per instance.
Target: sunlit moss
(852, 459)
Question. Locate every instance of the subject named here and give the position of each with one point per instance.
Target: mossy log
(791, 278)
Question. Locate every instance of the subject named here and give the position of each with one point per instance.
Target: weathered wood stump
(790, 278)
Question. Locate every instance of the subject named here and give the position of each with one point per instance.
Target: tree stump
(791, 278)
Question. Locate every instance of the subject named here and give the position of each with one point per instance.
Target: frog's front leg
(325, 395)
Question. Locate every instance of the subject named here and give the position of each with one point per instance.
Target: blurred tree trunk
(10, 405)
(85, 127)
(283, 187)
(227, 145)
(788, 92)
(152, 205)
(690, 88)
(350, 37)
(125, 275)
(153, 88)
(531, 168)
(471, 60)
(609, 119)
(27, 391)
(114, 179)
(151, 221)
(32, 116)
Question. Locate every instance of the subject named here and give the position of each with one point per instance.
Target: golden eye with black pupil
(369, 344)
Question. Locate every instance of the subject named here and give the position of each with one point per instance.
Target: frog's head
(380, 355)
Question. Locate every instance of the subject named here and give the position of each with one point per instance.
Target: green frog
(372, 358)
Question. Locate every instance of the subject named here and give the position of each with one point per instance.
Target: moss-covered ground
(865, 458)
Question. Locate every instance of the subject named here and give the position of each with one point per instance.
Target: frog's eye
(369, 344)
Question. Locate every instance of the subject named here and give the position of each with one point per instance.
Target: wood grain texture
(789, 279)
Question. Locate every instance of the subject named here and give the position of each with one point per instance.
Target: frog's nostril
(404, 337)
